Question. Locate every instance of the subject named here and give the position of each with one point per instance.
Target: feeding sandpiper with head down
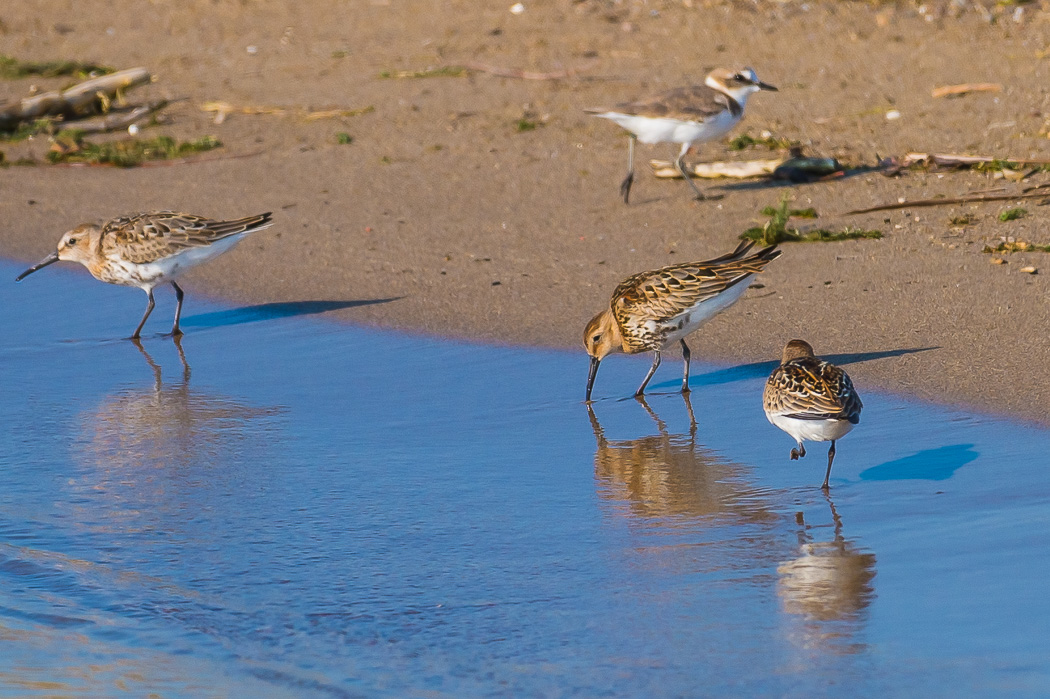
(811, 399)
(686, 115)
(652, 311)
(146, 250)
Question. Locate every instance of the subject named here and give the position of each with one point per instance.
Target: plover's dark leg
(679, 164)
(831, 457)
(179, 294)
(652, 370)
(149, 309)
(796, 454)
(625, 186)
(685, 357)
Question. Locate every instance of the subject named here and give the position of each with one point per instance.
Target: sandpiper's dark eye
(596, 338)
(71, 241)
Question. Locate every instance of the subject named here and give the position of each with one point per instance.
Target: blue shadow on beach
(272, 311)
(929, 464)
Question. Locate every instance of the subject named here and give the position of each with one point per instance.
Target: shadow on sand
(272, 311)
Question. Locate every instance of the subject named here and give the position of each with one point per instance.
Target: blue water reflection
(281, 506)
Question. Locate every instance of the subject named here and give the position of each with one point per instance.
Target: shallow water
(295, 508)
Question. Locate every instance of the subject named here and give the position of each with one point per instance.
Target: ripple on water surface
(283, 506)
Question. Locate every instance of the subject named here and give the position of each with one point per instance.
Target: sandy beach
(473, 224)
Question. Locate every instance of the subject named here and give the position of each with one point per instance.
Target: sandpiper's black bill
(590, 376)
(53, 257)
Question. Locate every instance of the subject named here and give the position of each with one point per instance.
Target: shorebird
(686, 115)
(651, 311)
(146, 250)
(810, 399)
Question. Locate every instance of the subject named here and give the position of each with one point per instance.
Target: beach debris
(517, 8)
(738, 169)
(775, 230)
(965, 88)
(799, 168)
(1037, 192)
(981, 163)
(766, 138)
(70, 147)
(224, 109)
(795, 168)
(892, 115)
(1008, 244)
(1029, 270)
(1013, 214)
(88, 98)
(998, 261)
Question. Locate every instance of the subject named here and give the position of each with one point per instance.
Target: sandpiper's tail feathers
(754, 263)
(223, 229)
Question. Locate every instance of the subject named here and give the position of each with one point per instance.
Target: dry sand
(439, 196)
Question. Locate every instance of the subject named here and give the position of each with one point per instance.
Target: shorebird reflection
(828, 580)
(165, 425)
(670, 476)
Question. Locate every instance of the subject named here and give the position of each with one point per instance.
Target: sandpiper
(811, 399)
(653, 310)
(686, 115)
(146, 250)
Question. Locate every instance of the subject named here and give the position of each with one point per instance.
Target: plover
(146, 250)
(811, 399)
(653, 310)
(686, 115)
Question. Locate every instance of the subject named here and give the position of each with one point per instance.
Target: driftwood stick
(952, 90)
(1031, 193)
(78, 100)
(122, 120)
(738, 169)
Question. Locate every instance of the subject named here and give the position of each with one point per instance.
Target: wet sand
(482, 231)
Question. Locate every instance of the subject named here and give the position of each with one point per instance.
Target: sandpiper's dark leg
(652, 370)
(685, 356)
(625, 186)
(149, 309)
(679, 164)
(831, 457)
(796, 454)
(179, 294)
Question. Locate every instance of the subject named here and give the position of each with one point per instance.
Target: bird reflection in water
(829, 583)
(669, 476)
(150, 443)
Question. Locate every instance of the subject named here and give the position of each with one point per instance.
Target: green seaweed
(343, 138)
(522, 125)
(746, 140)
(14, 69)
(775, 230)
(1013, 214)
(126, 152)
(1015, 246)
(27, 129)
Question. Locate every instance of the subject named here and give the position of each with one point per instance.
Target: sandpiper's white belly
(686, 323)
(664, 130)
(812, 430)
(147, 275)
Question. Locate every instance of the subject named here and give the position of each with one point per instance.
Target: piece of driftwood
(117, 121)
(893, 166)
(1042, 191)
(953, 90)
(738, 169)
(86, 98)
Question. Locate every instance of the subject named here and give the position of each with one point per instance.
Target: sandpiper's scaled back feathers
(653, 310)
(811, 399)
(146, 250)
(686, 115)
